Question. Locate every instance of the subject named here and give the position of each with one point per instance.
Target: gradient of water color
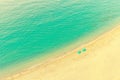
(30, 28)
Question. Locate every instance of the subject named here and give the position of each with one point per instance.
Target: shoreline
(35, 67)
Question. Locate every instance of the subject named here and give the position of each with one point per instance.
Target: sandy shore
(101, 61)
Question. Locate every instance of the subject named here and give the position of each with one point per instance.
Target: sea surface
(32, 28)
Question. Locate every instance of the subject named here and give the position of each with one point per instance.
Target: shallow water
(34, 27)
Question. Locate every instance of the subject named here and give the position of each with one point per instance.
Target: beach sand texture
(101, 61)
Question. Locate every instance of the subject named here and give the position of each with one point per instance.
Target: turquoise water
(34, 27)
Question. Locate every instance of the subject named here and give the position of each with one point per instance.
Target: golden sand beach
(101, 61)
